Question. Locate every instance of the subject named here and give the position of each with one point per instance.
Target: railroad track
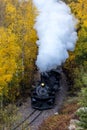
(38, 116)
(28, 120)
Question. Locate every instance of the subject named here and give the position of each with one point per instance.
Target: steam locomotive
(44, 94)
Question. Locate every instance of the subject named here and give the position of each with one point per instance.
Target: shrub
(82, 113)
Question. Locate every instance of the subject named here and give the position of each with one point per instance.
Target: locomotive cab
(43, 95)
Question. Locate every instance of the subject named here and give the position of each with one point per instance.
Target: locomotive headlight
(42, 84)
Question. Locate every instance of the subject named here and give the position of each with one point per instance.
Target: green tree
(82, 113)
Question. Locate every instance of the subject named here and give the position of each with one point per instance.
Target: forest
(18, 51)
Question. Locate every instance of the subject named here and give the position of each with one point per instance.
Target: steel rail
(24, 120)
(33, 119)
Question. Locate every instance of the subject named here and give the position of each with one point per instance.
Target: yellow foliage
(9, 52)
(17, 44)
(80, 10)
(76, 65)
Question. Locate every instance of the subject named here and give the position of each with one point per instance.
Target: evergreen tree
(82, 113)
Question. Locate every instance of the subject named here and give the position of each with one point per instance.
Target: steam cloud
(55, 26)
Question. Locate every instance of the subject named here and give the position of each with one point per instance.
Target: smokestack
(55, 26)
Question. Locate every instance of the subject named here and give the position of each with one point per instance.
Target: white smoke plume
(55, 26)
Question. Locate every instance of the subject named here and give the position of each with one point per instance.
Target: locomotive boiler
(44, 94)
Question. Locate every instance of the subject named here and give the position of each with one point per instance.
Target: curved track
(24, 120)
(31, 119)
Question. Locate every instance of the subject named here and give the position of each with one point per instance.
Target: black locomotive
(44, 94)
